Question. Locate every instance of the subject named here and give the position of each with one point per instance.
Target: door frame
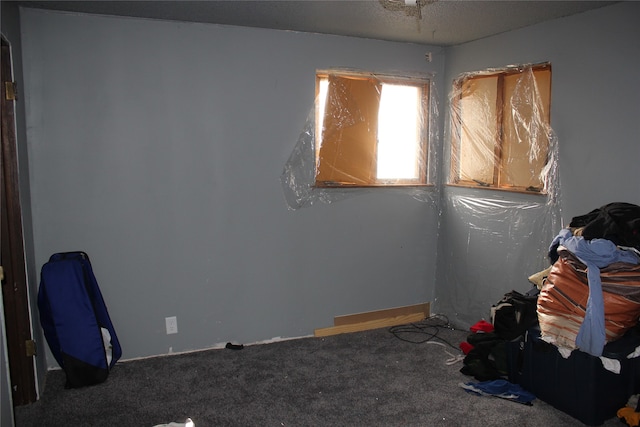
(17, 314)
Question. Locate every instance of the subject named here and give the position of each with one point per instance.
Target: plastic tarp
(500, 204)
(347, 119)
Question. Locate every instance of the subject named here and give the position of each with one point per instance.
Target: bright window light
(398, 132)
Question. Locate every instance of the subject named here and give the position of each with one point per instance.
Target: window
(500, 128)
(371, 130)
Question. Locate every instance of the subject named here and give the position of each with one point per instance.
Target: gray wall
(157, 148)
(489, 245)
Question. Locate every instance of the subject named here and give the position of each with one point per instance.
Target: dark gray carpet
(368, 378)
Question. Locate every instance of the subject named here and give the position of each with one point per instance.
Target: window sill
(346, 185)
(519, 190)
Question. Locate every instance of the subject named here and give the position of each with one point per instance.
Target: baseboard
(375, 319)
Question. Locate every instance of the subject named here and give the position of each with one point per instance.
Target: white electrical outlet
(172, 325)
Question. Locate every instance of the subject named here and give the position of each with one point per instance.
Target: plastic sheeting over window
(500, 130)
(500, 209)
(491, 246)
(358, 138)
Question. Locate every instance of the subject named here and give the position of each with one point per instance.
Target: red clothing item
(482, 326)
(466, 347)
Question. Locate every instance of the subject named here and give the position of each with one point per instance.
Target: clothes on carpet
(487, 357)
(481, 326)
(465, 347)
(500, 388)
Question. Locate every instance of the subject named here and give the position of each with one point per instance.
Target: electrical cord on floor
(425, 332)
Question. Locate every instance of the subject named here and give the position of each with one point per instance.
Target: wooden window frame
(499, 169)
(423, 83)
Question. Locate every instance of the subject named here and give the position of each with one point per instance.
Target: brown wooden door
(14, 282)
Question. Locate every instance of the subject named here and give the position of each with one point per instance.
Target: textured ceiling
(442, 22)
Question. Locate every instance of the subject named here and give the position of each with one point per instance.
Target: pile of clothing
(487, 347)
(591, 294)
(587, 298)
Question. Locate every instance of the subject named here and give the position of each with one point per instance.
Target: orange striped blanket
(563, 299)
